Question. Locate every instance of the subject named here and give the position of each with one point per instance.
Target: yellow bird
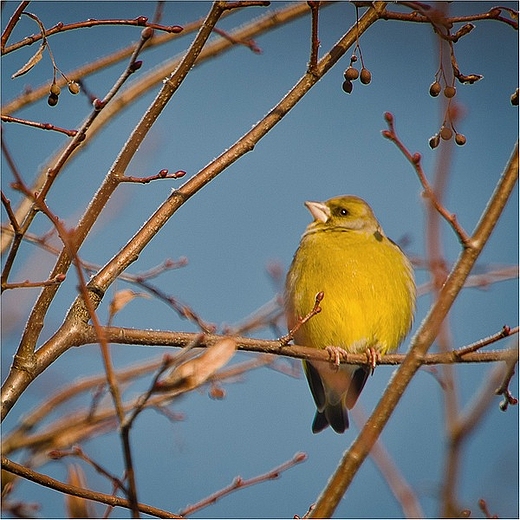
(368, 300)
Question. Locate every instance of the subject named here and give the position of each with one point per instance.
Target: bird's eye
(343, 212)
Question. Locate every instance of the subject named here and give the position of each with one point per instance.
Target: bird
(364, 287)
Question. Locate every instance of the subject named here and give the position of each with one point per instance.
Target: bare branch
(415, 161)
(44, 480)
(43, 126)
(240, 483)
(140, 21)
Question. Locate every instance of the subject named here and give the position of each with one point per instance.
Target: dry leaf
(77, 507)
(196, 371)
(37, 56)
(122, 298)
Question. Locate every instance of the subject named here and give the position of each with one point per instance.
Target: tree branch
(44, 480)
(156, 338)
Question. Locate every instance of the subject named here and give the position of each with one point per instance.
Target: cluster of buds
(352, 73)
(449, 90)
(446, 133)
(55, 91)
(447, 130)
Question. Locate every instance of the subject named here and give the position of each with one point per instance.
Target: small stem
(315, 42)
(415, 161)
(284, 340)
(35, 124)
(11, 24)
(44, 480)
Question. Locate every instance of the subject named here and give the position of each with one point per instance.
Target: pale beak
(318, 210)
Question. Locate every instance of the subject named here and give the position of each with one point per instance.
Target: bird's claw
(373, 358)
(335, 354)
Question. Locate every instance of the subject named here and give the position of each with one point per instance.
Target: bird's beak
(318, 210)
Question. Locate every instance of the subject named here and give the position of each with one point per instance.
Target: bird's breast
(368, 291)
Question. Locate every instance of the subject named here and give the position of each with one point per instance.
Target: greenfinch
(368, 300)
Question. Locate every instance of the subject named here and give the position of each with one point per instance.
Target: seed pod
(435, 89)
(434, 141)
(73, 87)
(347, 86)
(351, 74)
(366, 76)
(52, 100)
(55, 89)
(446, 133)
(449, 91)
(460, 139)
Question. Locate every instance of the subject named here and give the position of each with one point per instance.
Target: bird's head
(346, 212)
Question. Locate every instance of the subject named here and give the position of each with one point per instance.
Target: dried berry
(347, 86)
(366, 76)
(52, 100)
(435, 89)
(217, 392)
(446, 133)
(460, 139)
(449, 91)
(351, 74)
(73, 87)
(434, 141)
(55, 89)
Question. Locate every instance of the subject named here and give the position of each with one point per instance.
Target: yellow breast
(368, 286)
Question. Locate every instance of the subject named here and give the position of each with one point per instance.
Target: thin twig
(12, 23)
(35, 321)
(163, 174)
(316, 309)
(35, 124)
(415, 161)
(60, 27)
(76, 451)
(44, 480)
(67, 238)
(12, 217)
(415, 16)
(240, 483)
(315, 42)
(154, 338)
(251, 44)
(506, 331)
(27, 284)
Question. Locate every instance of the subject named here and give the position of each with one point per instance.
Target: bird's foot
(335, 354)
(373, 357)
